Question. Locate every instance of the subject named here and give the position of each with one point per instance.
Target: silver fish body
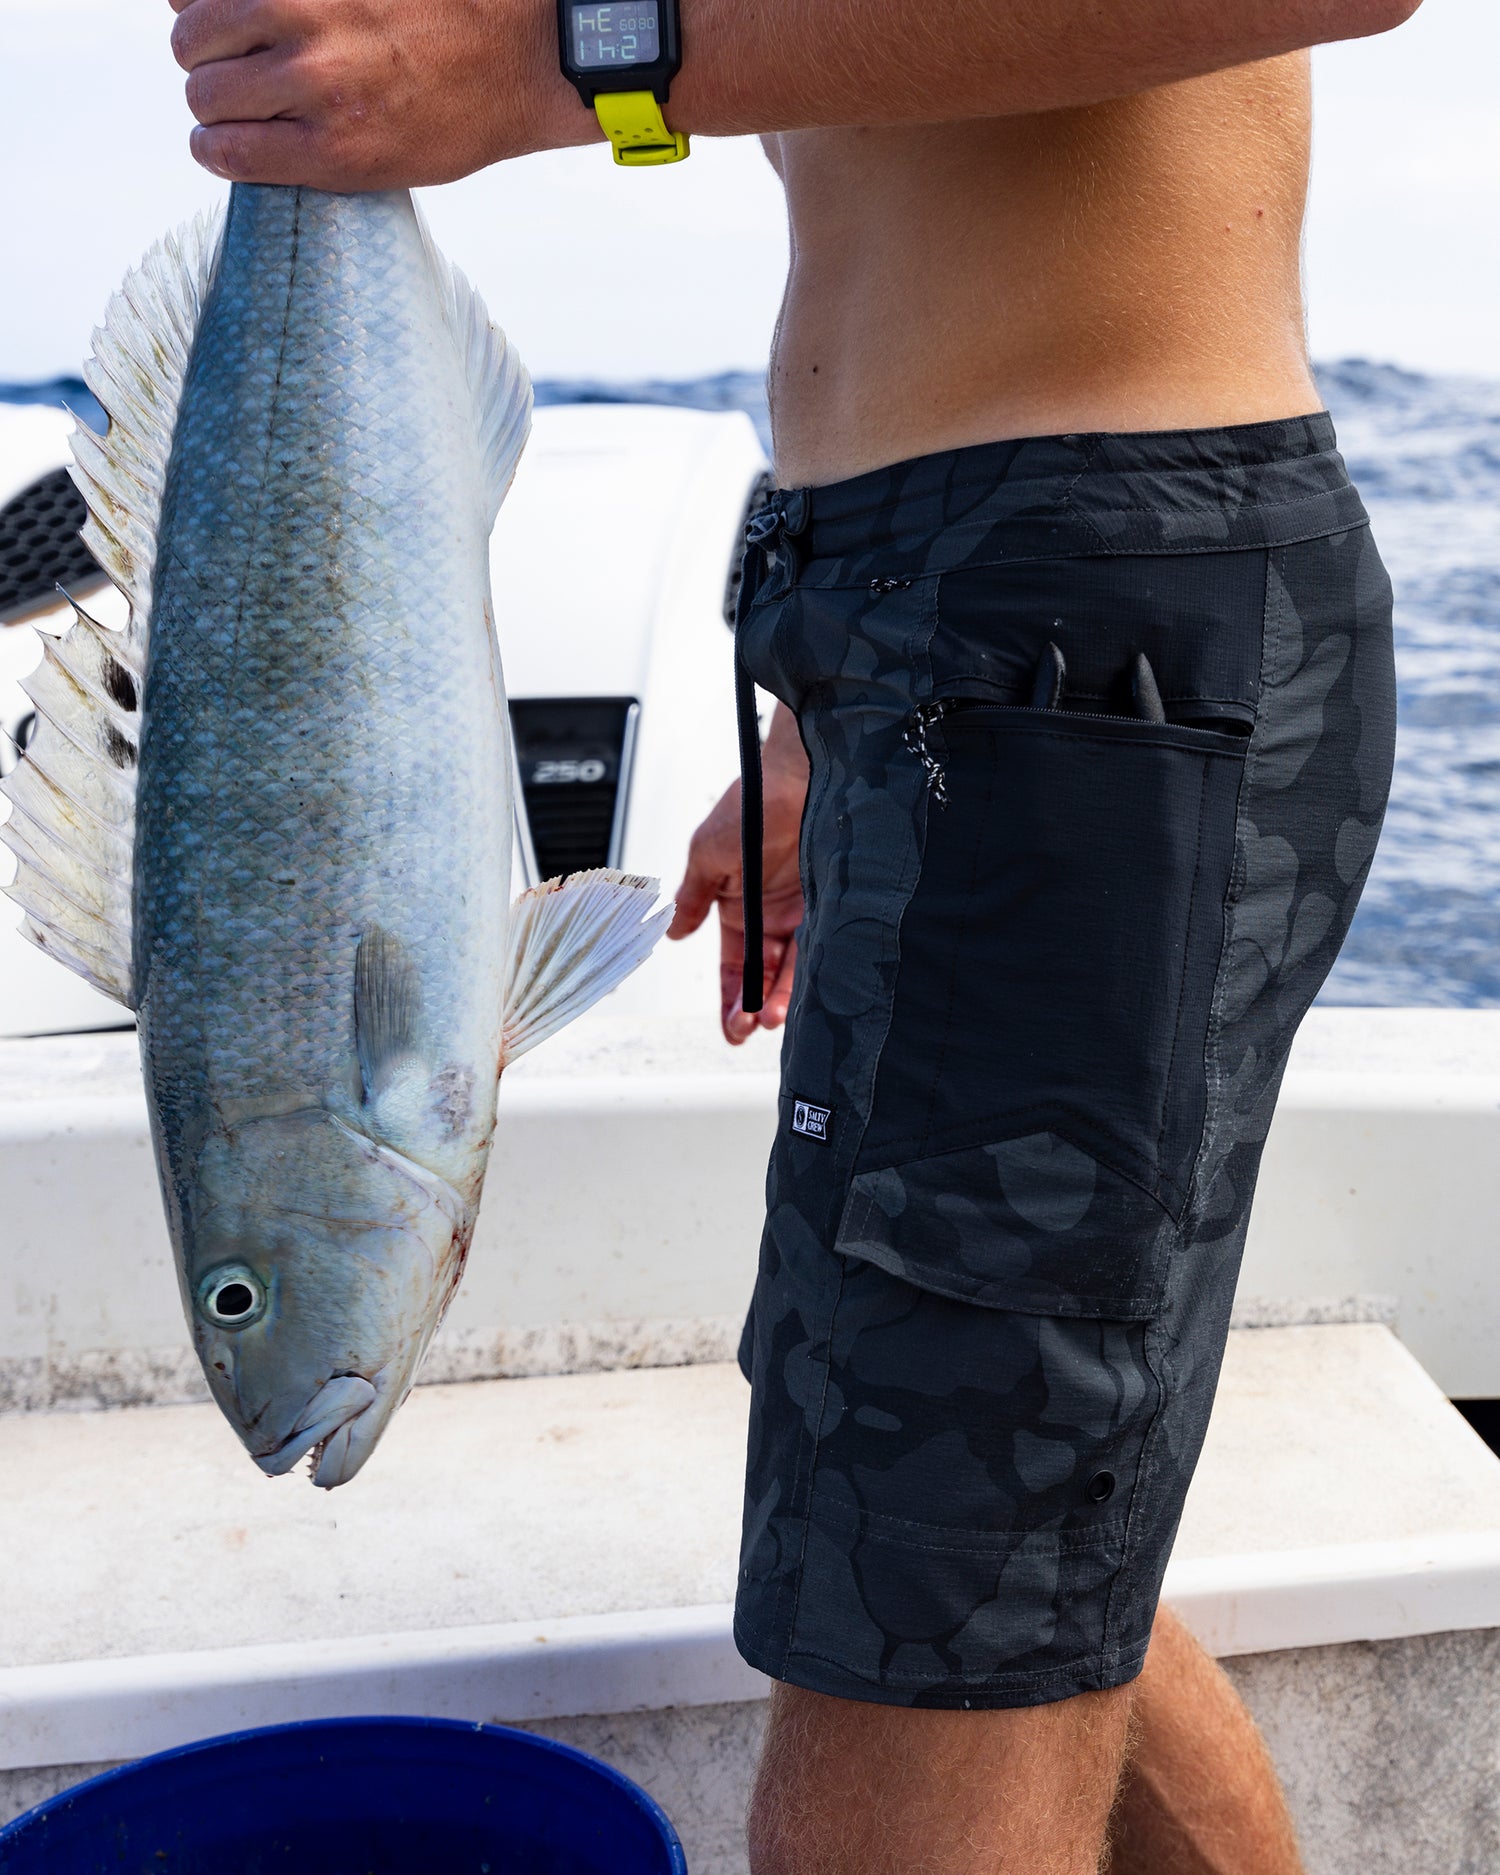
(312, 426)
(324, 763)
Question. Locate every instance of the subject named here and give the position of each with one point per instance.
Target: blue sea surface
(1425, 452)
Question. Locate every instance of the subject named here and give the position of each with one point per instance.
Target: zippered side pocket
(1040, 1096)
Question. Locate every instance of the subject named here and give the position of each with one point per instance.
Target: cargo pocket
(1040, 1096)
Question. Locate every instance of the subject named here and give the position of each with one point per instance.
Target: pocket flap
(1033, 1224)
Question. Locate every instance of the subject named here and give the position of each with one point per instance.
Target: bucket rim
(10, 1833)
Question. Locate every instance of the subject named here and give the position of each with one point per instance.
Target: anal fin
(573, 941)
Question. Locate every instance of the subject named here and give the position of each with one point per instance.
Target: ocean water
(1425, 451)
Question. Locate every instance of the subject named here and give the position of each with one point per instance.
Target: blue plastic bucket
(352, 1797)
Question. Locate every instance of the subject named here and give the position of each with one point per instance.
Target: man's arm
(359, 94)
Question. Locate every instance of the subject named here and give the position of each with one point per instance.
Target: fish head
(318, 1266)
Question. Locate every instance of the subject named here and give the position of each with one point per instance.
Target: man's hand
(715, 877)
(372, 94)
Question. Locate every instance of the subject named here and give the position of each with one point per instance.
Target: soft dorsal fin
(572, 941)
(498, 381)
(72, 796)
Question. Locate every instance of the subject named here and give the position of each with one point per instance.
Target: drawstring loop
(752, 835)
(769, 534)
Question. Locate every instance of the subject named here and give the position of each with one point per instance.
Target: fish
(274, 814)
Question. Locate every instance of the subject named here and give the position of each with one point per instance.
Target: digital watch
(623, 57)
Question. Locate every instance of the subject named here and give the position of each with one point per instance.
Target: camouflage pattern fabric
(1052, 964)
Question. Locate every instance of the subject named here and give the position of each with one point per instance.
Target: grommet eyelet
(1101, 1487)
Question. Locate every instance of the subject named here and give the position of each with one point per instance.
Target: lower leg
(851, 1789)
(1200, 1794)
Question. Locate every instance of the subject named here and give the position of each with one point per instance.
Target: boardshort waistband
(1156, 491)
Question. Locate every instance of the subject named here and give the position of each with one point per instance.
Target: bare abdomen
(1135, 265)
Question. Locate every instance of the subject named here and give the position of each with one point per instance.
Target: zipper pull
(922, 718)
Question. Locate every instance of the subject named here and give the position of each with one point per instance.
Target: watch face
(627, 32)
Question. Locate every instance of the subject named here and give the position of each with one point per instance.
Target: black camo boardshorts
(1100, 732)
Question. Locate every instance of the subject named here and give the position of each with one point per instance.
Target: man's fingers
(696, 898)
(738, 1027)
(223, 29)
(779, 994)
(280, 152)
(244, 91)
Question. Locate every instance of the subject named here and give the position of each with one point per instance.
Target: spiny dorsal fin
(498, 381)
(572, 941)
(73, 794)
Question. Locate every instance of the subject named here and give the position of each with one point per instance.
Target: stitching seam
(1187, 933)
(1117, 550)
(1002, 1542)
(811, 1442)
(1084, 1667)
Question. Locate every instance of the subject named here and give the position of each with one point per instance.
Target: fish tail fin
(574, 940)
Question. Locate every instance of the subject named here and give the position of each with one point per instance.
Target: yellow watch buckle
(637, 132)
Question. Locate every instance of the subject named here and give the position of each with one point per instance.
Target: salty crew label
(810, 1121)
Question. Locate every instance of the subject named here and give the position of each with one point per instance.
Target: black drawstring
(764, 534)
(752, 831)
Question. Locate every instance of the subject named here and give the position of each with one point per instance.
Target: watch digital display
(626, 32)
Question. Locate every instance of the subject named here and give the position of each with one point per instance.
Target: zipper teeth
(926, 714)
(915, 737)
(946, 705)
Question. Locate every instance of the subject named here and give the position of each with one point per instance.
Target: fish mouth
(324, 1428)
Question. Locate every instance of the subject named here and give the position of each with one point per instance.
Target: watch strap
(637, 132)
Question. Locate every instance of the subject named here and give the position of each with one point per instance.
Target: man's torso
(1130, 266)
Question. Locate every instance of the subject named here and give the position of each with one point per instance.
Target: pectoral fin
(573, 941)
(387, 1004)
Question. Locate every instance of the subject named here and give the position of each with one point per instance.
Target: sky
(1403, 250)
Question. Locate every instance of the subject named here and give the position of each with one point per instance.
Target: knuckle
(347, 157)
(231, 152)
(190, 34)
(199, 91)
(314, 73)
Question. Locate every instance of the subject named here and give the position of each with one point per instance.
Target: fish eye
(232, 1296)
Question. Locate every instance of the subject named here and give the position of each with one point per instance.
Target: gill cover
(318, 1265)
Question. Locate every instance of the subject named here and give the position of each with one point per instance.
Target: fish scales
(291, 853)
(326, 730)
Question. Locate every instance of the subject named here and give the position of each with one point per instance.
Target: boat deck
(560, 1550)
(510, 1533)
